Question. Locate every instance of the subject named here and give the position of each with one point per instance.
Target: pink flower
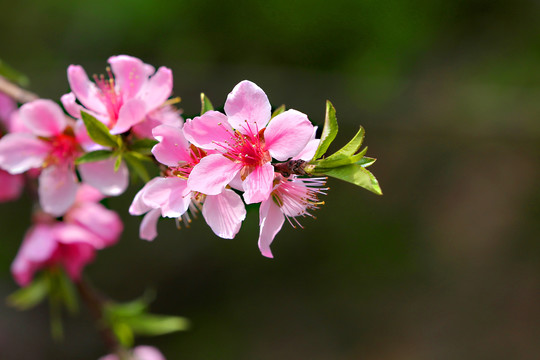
(7, 107)
(123, 100)
(246, 141)
(71, 244)
(139, 353)
(170, 196)
(291, 197)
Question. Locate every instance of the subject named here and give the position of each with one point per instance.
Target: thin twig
(16, 92)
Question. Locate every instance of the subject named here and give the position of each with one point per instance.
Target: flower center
(109, 95)
(64, 149)
(184, 169)
(247, 149)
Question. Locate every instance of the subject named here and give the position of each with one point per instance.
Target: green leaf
(352, 147)
(206, 105)
(135, 164)
(67, 293)
(97, 155)
(130, 308)
(278, 111)
(118, 162)
(13, 75)
(366, 161)
(31, 295)
(124, 333)
(143, 146)
(329, 132)
(337, 161)
(99, 132)
(152, 325)
(357, 175)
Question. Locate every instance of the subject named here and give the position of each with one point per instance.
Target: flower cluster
(124, 125)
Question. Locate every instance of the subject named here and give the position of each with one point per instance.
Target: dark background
(445, 265)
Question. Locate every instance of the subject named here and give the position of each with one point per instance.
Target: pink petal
(69, 101)
(57, 189)
(129, 74)
(271, 221)
(86, 91)
(170, 194)
(309, 151)
(157, 89)
(258, 184)
(101, 175)
(43, 117)
(288, 134)
(38, 246)
(173, 147)
(11, 186)
(139, 206)
(248, 102)
(75, 257)
(7, 107)
(224, 213)
(131, 113)
(20, 152)
(147, 353)
(209, 130)
(98, 220)
(212, 174)
(87, 193)
(67, 233)
(165, 115)
(148, 228)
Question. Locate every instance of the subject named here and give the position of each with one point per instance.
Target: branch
(15, 92)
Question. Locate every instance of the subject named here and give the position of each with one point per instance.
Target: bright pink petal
(67, 233)
(86, 91)
(170, 194)
(287, 134)
(165, 115)
(224, 213)
(87, 193)
(209, 130)
(7, 107)
(38, 246)
(173, 148)
(11, 186)
(69, 101)
(129, 74)
(248, 102)
(101, 175)
(57, 189)
(212, 174)
(131, 113)
(139, 206)
(98, 220)
(271, 221)
(20, 152)
(75, 257)
(44, 117)
(309, 151)
(258, 184)
(157, 89)
(148, 228)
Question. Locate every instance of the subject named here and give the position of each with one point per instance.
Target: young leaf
(278, 111)
(206, 105)
(117, 162)
(66, 291)
(366, 161)
(152, 325)
(124, 333)
(143, 146)
(329, 131)
(357, 175)
(351, 147)
(337, 161)
(135, 165)
(99, 132)
(29, 296)
(97, 155)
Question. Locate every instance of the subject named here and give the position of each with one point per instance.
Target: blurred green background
(445, 265)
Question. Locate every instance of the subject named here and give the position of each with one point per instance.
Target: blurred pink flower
(139, 353)
(71, 244)
(246, 140)
(11, 186)
(291, 197)
(171, 196)
(132, 92)
(7, 107)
